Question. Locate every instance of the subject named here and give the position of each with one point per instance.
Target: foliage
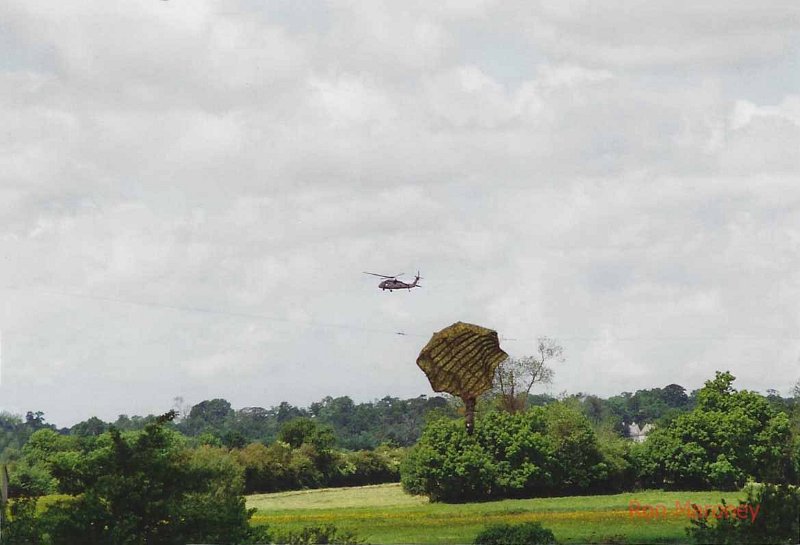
(312, 535)
(15, 432)
(728, 437)
(26, 479)
(647, 406)
(389, 420)
(514, 377)
(19, 523)
(356, 426)
(527, 533)
(280, 467)
(777, 521)
(365, 467)
(448, 465)
(147, 487)
(89, 428)
(266, 469)
(578, 462)
(299, 431)
(132, 423)
(618, 455)
(544, 450)
(208, 416)
(214, 511)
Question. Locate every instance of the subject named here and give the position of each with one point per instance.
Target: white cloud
(647, 35)
(626, 189)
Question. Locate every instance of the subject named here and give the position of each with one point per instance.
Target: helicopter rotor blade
(382, 275)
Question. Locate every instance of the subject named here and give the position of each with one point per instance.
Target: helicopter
(392, 283)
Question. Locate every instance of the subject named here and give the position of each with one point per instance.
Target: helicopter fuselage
(393, 284)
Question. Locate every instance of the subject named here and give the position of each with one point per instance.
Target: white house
(639, 434)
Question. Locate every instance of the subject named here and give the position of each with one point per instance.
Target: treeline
(641, 407)
(302, 456)
(727, 438)
(356, 426)
(336, 442)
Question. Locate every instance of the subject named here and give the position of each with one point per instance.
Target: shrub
(363, 467)
(527, 533)
(777, 521)
(620, 458)
(20, 528)
(542, 451)
(313, 535)
(448, 465)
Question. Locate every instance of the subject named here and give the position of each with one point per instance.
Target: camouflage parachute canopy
(461, 359)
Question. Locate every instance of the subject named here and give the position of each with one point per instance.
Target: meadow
(385, 514)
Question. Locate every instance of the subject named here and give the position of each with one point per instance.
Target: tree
(674, 395)
(89, 428)
(796, 389)
(514, 378)
(593, 408)
(306, 431)
(147, 487)
(728, 437)
(778, 521)
(210, 413)
(35, 420)
(286, 411)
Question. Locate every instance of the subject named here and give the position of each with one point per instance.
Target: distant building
(639, 434)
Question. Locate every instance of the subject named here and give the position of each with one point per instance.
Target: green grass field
(384, 514)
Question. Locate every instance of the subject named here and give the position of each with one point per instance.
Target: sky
(190, 192)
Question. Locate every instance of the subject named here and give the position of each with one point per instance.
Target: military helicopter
(392, 283)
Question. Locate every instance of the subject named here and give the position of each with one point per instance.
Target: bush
(313, 535)
(363, 467)
(448, 465)
(542, 451)
(777, 521)
(527, 533)
(620, 458)
(19, 523)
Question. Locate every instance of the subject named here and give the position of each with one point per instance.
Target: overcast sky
(191, 189)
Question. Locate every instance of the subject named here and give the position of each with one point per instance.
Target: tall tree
(728, 437)
(147, 488)
(514, 378)
(674, 395)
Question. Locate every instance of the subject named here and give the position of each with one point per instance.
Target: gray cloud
(189, 193)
